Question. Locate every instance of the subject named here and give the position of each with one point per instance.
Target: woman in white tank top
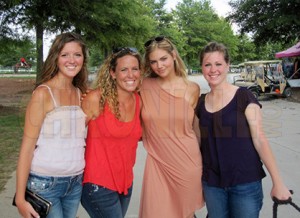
(51, 160)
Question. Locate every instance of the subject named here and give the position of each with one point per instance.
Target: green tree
(274, 21)
(11, 50)
(103, 22)
(200, 24)
(246, 50)
(164, 23)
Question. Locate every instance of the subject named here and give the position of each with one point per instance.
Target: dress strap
(51, 94)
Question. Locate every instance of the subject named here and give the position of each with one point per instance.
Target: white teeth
(71, 67)
(130, 82)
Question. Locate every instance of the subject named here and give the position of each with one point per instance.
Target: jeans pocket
(79, 178)
(40, 183)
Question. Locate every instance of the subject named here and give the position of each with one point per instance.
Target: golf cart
(264, 78)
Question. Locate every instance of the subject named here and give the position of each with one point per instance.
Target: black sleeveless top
(228, 153)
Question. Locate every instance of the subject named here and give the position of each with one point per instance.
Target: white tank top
(61, 143)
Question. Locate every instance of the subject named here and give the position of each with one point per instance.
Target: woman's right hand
(83, 95)
(26, 210)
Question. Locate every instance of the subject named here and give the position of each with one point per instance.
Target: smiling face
(70, 59)
(214, 68)
(162, 62)
(127, 73)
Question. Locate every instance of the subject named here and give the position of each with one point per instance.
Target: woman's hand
(83, 95)
(26, 210)
(281, 192)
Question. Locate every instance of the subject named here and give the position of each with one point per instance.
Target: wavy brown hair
(107, 84)
(50, 67)
(168, 46)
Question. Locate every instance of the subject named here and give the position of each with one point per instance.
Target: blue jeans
(63, 192)
(101, 202)
(240, 201)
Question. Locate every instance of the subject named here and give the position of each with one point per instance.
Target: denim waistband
(56, 178)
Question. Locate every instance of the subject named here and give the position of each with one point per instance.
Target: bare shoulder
(193, 93)
(41, 99)
(93, 95)
(91, 104)
(194, 88)
(91, 100)
(42, 95)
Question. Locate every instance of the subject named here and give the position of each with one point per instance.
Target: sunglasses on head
(124, 49)
(156, 39)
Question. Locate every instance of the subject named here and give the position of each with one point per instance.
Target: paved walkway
(282, 126)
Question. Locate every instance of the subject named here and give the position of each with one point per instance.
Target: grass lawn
(11, 122)
(14, 95)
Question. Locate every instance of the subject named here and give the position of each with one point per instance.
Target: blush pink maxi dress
(172, 176)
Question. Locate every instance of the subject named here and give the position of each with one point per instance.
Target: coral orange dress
(172, 177)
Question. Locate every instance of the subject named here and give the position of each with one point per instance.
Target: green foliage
(200, 24)
(274, 21)
(164, 23)
(108, 23)
(11, 50)
(117, 23)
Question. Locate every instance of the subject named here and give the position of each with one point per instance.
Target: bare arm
(91, 104)
(194, 100)
(196, 128)
(254, 118)
(35, 114)
(194, 94)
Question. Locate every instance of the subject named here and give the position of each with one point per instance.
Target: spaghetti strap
(79, 95)
(52, 96)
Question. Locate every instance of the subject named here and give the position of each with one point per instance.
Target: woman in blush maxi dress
(172, 177)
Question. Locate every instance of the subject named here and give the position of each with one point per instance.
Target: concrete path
(282, 127)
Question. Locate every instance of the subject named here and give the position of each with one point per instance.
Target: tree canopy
(267, 21)
(199, 25)
(117, 23)
(109, 22)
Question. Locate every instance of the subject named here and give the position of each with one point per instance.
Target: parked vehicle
(264, 78)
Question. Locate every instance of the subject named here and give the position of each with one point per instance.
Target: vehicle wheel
(255, 93)
(287, 92)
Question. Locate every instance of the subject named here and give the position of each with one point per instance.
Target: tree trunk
(39, 49)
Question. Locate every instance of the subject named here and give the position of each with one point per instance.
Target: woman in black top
(233, 143)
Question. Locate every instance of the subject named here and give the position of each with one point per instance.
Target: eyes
(134, 70)
(162, 59)
(69, 55)
(209, 65)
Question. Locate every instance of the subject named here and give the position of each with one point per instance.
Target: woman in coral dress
(172, 177)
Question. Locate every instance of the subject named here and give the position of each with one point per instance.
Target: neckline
(156, 82)
(223, 108)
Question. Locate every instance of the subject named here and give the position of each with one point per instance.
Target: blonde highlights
(166, 45)
(107, 84)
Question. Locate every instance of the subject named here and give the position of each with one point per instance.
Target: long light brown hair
(50, 67)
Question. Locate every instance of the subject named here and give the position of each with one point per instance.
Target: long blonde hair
(107, 84)
(163, 43)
